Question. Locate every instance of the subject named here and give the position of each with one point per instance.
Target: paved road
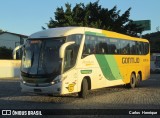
(147, 96)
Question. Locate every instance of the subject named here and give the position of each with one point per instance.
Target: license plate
(37, 90)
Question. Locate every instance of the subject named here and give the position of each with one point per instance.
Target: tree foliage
(94, 15)
(1, 30)
(5, 53)
(154, 41)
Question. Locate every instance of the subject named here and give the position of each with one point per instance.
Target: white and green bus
(77, 59)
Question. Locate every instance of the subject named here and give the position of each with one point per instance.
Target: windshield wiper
(32, 59)
(41, 60)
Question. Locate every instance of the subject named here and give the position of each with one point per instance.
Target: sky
(28, 16)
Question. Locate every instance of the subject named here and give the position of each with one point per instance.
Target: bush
(5, 53)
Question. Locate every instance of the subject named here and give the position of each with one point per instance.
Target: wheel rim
(138, 79)
(132, 83)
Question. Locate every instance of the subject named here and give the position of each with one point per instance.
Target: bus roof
(58, 32)
(64, 31)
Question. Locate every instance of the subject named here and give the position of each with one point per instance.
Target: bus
(78, 59)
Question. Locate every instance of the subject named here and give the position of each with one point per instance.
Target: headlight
(24, 82)
(58, 80)
(21, 80)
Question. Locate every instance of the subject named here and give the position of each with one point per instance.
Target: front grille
(40, 79)
(38, 85)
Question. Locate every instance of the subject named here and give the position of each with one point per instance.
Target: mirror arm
(63, 47)
(15, 50)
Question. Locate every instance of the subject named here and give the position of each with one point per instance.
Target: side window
(133, 47)
(137, 48)
(69, 60)
(114, 46)
(125, 47)
(75, 37)
(90, 45)
(102, 45)
(146, 48)
(71, 51)
(140, 48)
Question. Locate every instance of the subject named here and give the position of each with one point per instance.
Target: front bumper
(51, 89)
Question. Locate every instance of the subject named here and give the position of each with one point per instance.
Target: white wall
(9, 68)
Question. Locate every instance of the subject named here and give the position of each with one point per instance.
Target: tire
(84, 89)
(132, 83)
(138, 80)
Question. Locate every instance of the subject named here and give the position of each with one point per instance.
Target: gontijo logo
(127, 60)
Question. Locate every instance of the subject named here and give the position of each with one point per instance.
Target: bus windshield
(41, 56)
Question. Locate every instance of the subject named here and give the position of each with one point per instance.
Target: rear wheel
(138, 80)
(84, 89)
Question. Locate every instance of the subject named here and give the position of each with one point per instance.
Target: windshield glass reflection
(41, 56)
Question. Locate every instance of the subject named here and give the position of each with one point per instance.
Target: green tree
(1, 30)
(93, 15)
(5, 53)
(154, 41)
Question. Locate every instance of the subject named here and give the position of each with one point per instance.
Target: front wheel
(84, 89)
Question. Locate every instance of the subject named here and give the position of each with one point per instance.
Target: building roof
(20, 35)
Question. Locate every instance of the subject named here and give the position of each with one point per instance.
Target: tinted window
(71, 51)
(41, 56)
(141, 48)
(146, 48)
(89, 45)
(125, 47)
(102, 45)
(114, 46)
(133, 47)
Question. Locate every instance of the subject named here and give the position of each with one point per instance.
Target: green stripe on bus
(109, 67)
(113, 66)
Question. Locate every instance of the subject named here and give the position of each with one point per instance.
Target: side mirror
(63, 47)
(15, 50)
